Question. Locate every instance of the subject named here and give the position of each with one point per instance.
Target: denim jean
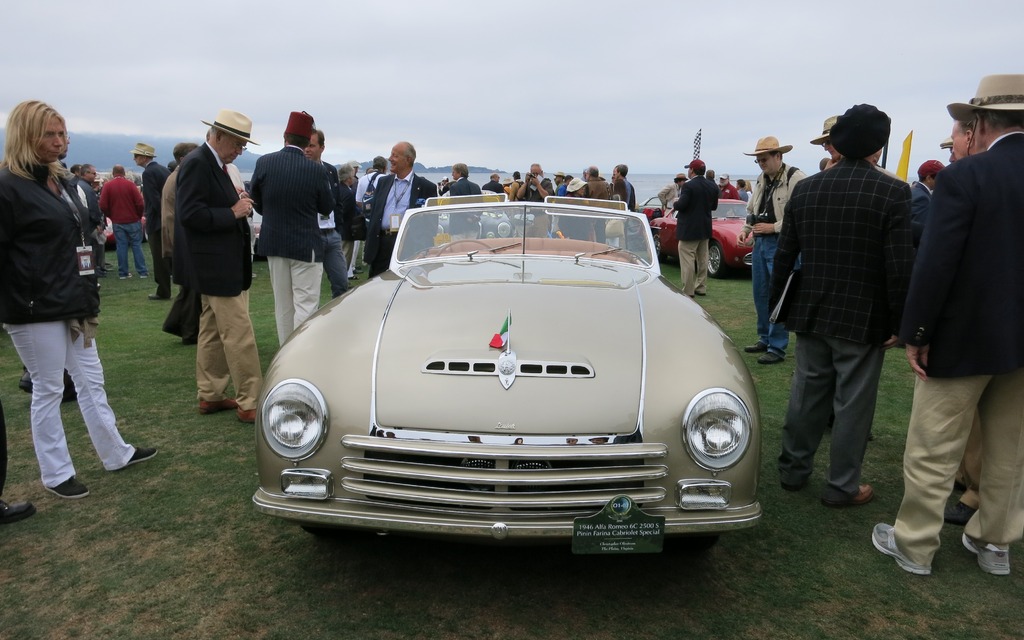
(334, 263)
(774, 335)
(129, 234)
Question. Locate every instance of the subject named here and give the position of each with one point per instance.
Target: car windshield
(534, 229)
(731, 210)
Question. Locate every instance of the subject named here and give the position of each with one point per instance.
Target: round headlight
(504, 229)
(716, 429)
(294, 419)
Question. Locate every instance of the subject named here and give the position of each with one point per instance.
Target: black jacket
(39, 279)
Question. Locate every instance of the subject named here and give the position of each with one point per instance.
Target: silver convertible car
(543, 386)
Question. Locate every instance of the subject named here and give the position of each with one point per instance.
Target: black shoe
(793, 487)
(153, 296)
(13, 512)
(141, 455)
(701, 293)
(25, 384)
(757, 347)
(770, 358)
(71, 489)
(958, 514)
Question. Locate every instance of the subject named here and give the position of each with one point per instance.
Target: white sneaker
(991, 558)
(884, 538)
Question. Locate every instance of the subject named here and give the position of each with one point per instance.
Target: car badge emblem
(507, 368)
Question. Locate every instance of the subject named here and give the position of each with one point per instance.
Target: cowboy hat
(234, 123)
(769, 144)
(825, 128)
(1003, 92)
(143, 149)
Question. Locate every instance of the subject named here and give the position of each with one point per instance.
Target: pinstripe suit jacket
(851, 227)
(290, 191)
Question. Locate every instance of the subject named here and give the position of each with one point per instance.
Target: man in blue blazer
(396, 193)
(212, 255)
(963, 334)
(462, 186)
(292, 193)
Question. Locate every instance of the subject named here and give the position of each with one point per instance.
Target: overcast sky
(504, 84)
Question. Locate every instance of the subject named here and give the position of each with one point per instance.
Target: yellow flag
(904, 166)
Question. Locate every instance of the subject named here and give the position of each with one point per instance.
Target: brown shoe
(246, 415)
(213, 406)
(865, 495)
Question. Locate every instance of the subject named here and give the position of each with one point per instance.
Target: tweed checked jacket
(851, 227)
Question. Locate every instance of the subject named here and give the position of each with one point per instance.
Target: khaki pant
(226, 351)
(296, 285)
(693, 265)
(969, 473)
(940, 423)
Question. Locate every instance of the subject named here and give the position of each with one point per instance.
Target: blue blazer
(212, 251)
(153, 178)
(291, 191)
(463, 187)
(421, 189)
(966, 296)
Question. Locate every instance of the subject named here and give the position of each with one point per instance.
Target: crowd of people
(852, 259)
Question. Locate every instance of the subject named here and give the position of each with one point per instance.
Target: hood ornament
(507, 358)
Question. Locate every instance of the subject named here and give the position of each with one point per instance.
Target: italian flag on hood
(500, 339)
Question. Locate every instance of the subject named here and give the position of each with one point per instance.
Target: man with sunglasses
(765, 210)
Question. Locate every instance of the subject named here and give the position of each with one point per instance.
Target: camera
(530, 177)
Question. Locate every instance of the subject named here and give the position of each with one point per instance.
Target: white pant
(296, 287)
(46, 350)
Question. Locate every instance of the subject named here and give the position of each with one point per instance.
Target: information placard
(620, 527)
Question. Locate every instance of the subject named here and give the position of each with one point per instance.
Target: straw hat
(143, 149)
(825, 129)
(768, 144)
(946, 144)
(234, 123)
(1004, 92)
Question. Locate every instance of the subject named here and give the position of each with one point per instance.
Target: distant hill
(106, 150)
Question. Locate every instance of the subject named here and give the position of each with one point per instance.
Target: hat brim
(820, 139)
(962, 111)
(140, 152)
(783, 149)
(237, 134)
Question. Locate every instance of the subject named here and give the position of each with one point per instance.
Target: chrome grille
(501, 478)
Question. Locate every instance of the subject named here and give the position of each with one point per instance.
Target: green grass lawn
(173, 549)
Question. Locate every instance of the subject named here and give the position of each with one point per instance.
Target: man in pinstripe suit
(291, 192)
(851, 227)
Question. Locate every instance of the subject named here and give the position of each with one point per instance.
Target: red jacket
(121, 201)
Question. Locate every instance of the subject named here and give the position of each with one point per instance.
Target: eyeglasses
(826, 144)
(761, 160)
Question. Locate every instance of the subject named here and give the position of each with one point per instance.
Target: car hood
(577, 334)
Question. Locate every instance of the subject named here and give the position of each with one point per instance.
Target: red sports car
(725, 254)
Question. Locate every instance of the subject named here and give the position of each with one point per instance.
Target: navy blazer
(966, 295)
(919, 204)
(153, 178)
(463, 187)
(291, 191)
(212, 251)
(697, 199)
(850, 226)
(421, 189)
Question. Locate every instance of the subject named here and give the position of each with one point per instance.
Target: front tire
(716, 260)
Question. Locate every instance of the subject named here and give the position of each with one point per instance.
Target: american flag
(696, 145)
